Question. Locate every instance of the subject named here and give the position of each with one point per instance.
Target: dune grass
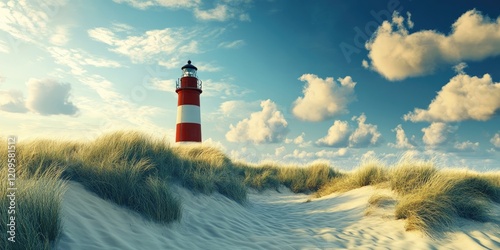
(38, 203)
(299, 179)
(435, 205)
(136, 171)
(428, 199)
(369, 173)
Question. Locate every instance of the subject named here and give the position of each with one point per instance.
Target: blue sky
(288, 81)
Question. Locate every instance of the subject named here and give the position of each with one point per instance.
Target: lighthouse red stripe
(188, 97)
(188, 132)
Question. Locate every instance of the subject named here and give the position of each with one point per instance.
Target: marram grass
(136, 171)
(37, 210)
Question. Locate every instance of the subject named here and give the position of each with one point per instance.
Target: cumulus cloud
(49, 97)
(279, 150)
(365, 135)
(462, 98)
(12, 101)
(237, 108)
(299, 140)
(401, 139)
(437, 133)
(340, 134)
(396, 53)
(265, 126)
(331, 154)
(219, 13)
(323, 98)
(466, 146)
(337, 136)
(495, 140)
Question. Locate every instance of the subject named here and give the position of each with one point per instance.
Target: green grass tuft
(38, 204)
(409, 176)
(135, 170)
(434, 205)
(370, 173)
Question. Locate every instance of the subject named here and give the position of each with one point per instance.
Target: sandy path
(270, 220)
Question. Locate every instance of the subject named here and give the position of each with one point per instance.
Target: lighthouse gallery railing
(178, 83)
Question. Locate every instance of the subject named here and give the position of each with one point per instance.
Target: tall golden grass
(428, 199)
(136, 171)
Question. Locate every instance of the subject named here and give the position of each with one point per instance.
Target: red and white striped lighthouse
(188, 89)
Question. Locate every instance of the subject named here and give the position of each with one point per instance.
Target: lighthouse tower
(188, 89)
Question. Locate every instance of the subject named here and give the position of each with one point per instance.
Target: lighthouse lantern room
(188, 88)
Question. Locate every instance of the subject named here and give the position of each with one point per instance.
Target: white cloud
(396, 53)
(466, 146)
(12, 101)
(144, 4)
(299, 154)
(463, 98)
(323, 98)
(266, 126)
(365, 135)
(151, 45)
(104, 89)
(459, 68)
(365, 64)
(436, 134)
(207, 67)
(232, 45)
(219, 13)
(163, 85)
(4, 48)
(279, 150)
(214, 144)
(172, 63)
(75, 59)
(49, 97)
(331, 154)
(495, 140)
(340, 134)
(299, 141)
(238, 108)
(337, 136)
(60, 36)
(401, 139)
(369, 156)
(223, 89)
(30, 21)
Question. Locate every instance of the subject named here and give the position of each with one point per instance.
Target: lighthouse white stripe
(188, 113)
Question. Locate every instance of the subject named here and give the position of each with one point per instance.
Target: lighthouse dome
(189, 65)
(189, 70)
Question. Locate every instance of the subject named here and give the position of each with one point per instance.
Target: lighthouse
(188, 89)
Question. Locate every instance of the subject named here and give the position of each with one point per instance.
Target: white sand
(270, 220)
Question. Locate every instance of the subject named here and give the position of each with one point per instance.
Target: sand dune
(270, 220)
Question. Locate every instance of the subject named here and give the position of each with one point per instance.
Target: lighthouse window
(189, 72)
